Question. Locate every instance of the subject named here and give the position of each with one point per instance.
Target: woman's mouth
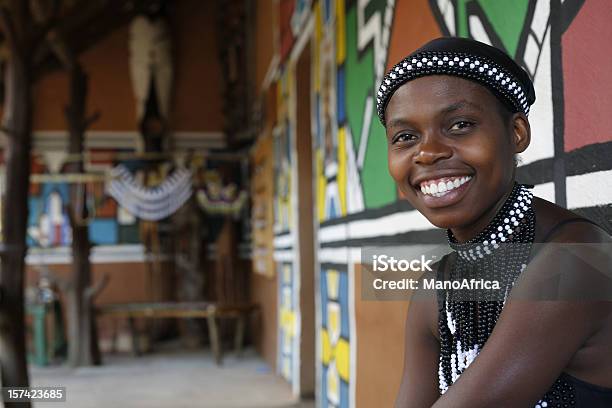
(445, 191)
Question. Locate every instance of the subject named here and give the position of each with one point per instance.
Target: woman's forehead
(438, 92)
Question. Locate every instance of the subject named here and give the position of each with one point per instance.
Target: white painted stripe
(333, 233)
(588, 190)
(340, 255)
(392, 224)
(99, 254)
(545, 191)
(284, 256)
(334, 255)
(283, 241)
(365, 132)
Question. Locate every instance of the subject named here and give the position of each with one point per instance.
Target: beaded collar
(509, 226)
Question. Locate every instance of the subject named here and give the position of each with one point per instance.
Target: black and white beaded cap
(464, 58)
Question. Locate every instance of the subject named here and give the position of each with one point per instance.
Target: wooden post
(17, 123)
(83, 347)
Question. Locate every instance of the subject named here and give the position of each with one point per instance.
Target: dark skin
(459, 128)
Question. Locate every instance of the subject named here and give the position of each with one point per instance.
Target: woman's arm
(419, 385)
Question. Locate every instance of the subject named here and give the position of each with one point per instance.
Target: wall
(195, 116)
(360, 344)
(196, 103)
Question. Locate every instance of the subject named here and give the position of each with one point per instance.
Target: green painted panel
(378, 186)
(507, 19)
(359, 76)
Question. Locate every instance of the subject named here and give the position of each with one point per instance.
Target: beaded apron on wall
(465, 324)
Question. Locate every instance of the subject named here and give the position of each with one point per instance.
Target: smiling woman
(456, 115)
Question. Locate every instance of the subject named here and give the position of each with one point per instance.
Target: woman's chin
(444, 222)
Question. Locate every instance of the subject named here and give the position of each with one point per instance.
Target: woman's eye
(462, 124)
(404, 137)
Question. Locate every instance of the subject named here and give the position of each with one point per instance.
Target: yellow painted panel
(321, 185)
(342, 169)
(340, 32)
(342, 354)
(326, 350)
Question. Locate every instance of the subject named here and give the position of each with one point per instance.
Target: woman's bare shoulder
(557, 224)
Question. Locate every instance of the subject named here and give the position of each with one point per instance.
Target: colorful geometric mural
(284, 182)
(283, 141)
(558, 42)
(287, 322)
(349, 60)
(335, 338)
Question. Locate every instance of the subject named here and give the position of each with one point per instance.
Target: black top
(567, 391)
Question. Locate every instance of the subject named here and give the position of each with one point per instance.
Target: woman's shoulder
(557, 224)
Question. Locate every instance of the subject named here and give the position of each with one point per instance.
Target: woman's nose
(431, 149)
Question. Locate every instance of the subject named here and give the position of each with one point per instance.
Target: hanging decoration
(217, 199)
(151, 63)
(150, 203)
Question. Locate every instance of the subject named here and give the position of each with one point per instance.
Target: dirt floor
(169, 378)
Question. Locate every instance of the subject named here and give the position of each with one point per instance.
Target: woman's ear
(521, 132)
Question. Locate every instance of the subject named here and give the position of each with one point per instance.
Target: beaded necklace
(467, 317)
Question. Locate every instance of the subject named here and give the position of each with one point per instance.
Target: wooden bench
(184, 310)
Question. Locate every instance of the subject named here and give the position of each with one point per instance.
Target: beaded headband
(463, 58)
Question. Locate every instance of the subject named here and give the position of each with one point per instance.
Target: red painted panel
(286, 8)
(587, 80)
(413, 25)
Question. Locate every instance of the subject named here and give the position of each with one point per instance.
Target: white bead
(409, 67)
(451, 63)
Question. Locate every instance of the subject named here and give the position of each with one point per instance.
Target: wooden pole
(83, 347)
(17, 123)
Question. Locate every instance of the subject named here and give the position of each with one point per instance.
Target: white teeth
(442, 188)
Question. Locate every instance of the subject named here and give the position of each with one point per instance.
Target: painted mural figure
(53, 227)
(453, 157)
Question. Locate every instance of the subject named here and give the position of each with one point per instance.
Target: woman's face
(451, 150)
